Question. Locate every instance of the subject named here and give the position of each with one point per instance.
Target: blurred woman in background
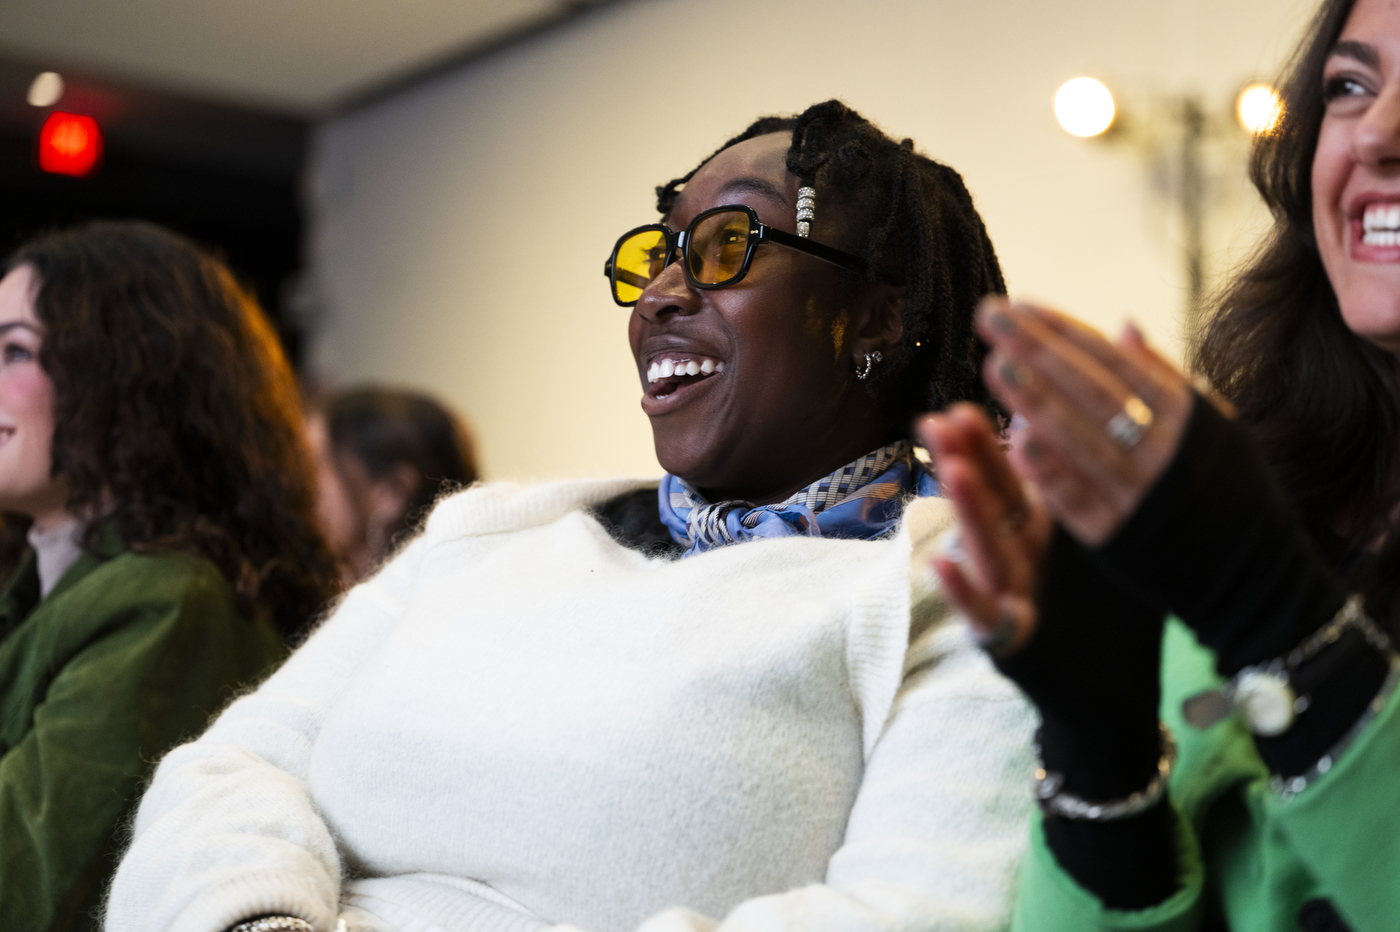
(160, 527)
(383, 457)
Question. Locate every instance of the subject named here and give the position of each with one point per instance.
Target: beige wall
(459, 230)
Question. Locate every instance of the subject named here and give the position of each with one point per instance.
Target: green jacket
(1244, 851)
(126, 657)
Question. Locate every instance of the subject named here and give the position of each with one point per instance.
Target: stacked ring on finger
(1131, 424)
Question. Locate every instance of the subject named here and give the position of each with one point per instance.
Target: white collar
(57, 550)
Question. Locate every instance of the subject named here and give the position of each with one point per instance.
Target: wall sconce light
(1170, 134)
(1084, 107)
(1258, 108)
(46, 89)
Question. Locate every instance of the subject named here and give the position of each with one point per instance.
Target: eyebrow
(6, 328)
(751, 185)
(746, 184)
(1360, 51)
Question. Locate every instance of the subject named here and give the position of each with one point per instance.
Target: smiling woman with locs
(613, 703)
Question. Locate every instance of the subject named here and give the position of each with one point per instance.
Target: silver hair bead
(806, 210)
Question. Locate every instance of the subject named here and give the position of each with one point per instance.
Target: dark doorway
(226, 176)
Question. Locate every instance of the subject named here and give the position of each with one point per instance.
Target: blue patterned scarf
(862, 500)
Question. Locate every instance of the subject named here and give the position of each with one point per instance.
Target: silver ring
(1130, 425)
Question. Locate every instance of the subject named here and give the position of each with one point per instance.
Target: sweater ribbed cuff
(258, 894)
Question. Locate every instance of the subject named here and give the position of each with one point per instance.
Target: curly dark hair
(912, 221)
(384, 428)
(1324, 401)
(176, 412)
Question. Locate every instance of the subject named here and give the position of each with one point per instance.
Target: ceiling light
(1258, 108)
(1084, 107)
(46, 89)
(69, 144)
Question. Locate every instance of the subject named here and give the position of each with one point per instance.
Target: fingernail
(949, 546)
(1011, 373)
(1000, 321)
(998, 638)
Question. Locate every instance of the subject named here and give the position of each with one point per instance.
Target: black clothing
(634, 520)
(1218, 543)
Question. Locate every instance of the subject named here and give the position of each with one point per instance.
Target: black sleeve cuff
(1128, 864)
(1093, 669)
(1218, 542)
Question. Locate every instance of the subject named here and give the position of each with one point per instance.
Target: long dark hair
(384, 428)
(913, 222)
(1323, 400)
(176, 412)
(13, 529)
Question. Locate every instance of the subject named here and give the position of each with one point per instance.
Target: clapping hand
(990, 572)
(1102, 421)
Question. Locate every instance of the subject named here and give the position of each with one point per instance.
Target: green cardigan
(126, 657)
(1244, 851)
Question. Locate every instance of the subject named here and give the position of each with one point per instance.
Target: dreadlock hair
(912, 221)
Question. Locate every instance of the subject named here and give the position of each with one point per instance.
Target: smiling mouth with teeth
(1381, 225)
(682, 368)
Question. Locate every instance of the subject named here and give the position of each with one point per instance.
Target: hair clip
(806, 210)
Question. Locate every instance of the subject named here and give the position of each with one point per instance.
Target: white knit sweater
(520, 722)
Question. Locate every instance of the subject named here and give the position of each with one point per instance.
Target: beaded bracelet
(1054, 800)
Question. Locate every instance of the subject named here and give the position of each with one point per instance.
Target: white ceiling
(301, 56)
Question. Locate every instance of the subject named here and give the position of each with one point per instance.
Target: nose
(668, 294)
(1376, 142)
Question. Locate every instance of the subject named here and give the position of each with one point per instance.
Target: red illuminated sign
(69, 144)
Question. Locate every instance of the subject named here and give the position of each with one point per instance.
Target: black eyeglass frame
(758, 233)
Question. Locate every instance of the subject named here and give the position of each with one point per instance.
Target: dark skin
(787, 409)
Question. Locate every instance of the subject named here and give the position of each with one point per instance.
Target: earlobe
(892, 322)
(881, 329)
(390, 496)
